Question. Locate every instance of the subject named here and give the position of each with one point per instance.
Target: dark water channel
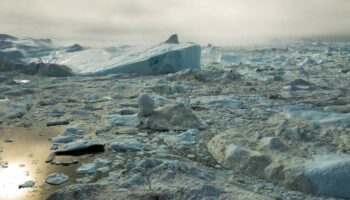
(23, 159)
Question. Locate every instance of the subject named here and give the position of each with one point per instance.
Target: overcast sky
(222, 22)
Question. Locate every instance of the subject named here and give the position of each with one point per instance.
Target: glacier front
(51, 60)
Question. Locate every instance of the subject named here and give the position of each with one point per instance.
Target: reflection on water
(10, 178)
(25, 158)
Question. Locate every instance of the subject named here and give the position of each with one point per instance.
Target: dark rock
(58, 122)
(74, 48)
(81, 147)
(54, 70)
(173, 39)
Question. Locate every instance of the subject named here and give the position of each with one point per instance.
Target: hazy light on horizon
(222, 22)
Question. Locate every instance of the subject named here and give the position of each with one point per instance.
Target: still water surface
(26, 156)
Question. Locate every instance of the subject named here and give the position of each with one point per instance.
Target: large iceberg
(42, 56)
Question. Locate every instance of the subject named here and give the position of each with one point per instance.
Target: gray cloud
(224, 22)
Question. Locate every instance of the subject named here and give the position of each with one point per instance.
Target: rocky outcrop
(173, 39)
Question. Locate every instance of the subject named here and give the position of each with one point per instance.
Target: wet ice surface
(23, 159)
